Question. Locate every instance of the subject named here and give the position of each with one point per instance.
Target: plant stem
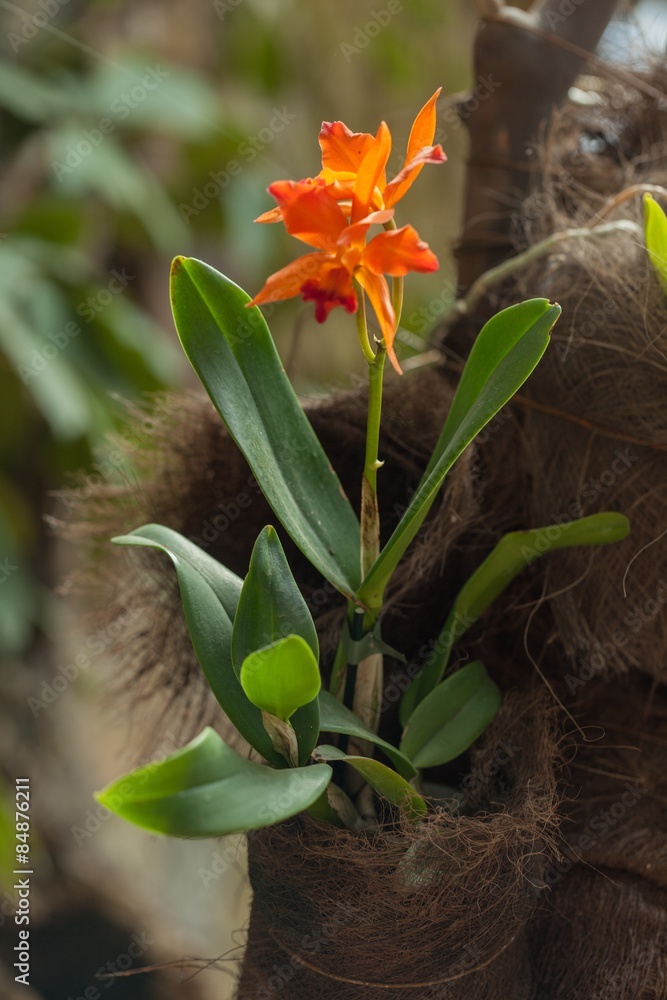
(362, 326)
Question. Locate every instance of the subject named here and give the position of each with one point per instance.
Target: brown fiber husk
(435, 910)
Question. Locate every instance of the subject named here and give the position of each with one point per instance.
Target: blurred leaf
(451, 717)
(208, 790)
(109, 170)
(175, 101)
(31, 97)
(380, 777)
(231, 350)
(60, 396)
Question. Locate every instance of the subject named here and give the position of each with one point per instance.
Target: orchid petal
(423, 128)
(289, 281)
(343, 150)
(397, 252)
(377, 289)
(404, 180)
(309, 212)
(420, 151)
(331, 287)
(371, 173)
(273, 215)
(355, 233)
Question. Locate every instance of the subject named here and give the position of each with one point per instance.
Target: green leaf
(503, 356)
(655, 228)
(282, 677)
(451, 717)
(270, 608)
(380, 777)
(271, 605)
(335, 718)
(513, 553)
(210, 593)
(208, 790)
(231, 350)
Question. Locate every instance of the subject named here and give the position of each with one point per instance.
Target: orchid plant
(255, 637)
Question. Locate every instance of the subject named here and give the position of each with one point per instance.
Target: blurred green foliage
(133, 131)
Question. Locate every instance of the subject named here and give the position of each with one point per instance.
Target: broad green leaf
(271, 605)
(503, 356)
(335, 718)
(231, 349)
(209, 593)
(451, 717)
(513, 553)
(655, 228)
(208, 790)
(380, 777)
(282, 677)
(226, 585)
(270, 608)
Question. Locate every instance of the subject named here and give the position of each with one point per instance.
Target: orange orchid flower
(354, 164)
(312, 214)
(333, 213)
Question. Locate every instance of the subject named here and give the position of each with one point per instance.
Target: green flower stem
(362, 325)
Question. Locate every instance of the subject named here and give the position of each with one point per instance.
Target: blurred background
(131, 132)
